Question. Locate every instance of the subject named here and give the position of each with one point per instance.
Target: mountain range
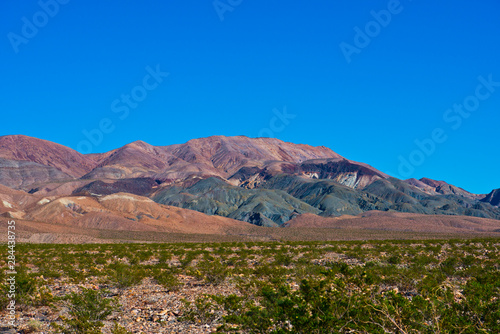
(230, 181)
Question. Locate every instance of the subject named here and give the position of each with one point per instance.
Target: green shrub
(168, 279)
(448, 266)
(395, 259)
(117, 329)
(124, 276)
(203, 310)
(212, 272)
(87, 310)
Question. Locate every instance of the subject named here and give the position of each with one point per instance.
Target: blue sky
(269, 68)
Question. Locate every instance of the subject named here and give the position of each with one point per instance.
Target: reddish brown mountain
(262, 181)
(241, 160)
(117, 212)
(231, 153)
(137, 159)
(43, 152)
(213, 156)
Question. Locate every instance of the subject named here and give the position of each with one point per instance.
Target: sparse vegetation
(428, 286)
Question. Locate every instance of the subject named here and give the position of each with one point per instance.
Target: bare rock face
(43, 152)
(493, 197)
(428, 189)
(349, 173)
(434, 187)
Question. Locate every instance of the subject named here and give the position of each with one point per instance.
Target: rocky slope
(27, 175)
(434, 187)
(213, 156)
(215, 197)
(117, 212)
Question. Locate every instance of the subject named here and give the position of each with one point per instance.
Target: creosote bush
(86, 312)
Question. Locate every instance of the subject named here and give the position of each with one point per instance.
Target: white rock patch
(125, 197)
(65, 201)
(43, 201)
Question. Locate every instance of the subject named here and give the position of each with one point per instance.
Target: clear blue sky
(227, 76)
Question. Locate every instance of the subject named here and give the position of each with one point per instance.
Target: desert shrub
(87, 310)
(480, 307)
(48, 271)
(449, 265)
(282, 259)
(33, 326)
(203, 310)
(339, 267)
(168, 279)
(117, 329)
(270, 272)
(335, 306)
(29, 292)
(164, 256)
(212, 272)
(317, 307)
(291, 287)
(25, 288)
(186, 259)
(468, 261)
(144, 255)
(100, 260)
(123, 275)
(394, 259)
(423, 260)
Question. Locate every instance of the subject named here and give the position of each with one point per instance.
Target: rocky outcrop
(493, 197)
(137, 186)
(441, 187)
(349, 173)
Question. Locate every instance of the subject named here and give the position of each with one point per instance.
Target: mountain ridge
(25, 148)
(263, 181)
